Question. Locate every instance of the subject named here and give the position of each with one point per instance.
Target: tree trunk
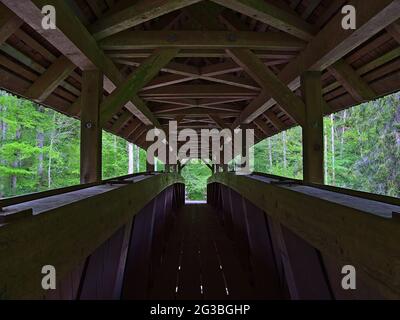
(4, 126)
(333, 148)
(326, 158)
(131, 158)
(270, 152)
(343, 131)
(284, 150)
(52, 137)
(40, 145)
(15, 164)
(137, 159)
(397, 125)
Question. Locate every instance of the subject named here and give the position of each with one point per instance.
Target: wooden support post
(149, 166)
(91, 133)
(313, 154)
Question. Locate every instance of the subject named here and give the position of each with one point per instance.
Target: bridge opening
(196, 174)
(118, 226)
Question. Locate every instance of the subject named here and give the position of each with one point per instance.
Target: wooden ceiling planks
(203, 79)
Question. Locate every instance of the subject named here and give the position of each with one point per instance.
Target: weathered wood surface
(200, 39)
(91, 130)
(66, 228)
(313, 128)
(361, 231)
(356, 65)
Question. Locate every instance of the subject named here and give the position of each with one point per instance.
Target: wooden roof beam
(263, 126)
(291, 103)
(198, 91)
(9, 23)
(351, 81)
(272, 15)
(183, 73)
(218, 121)
(73, 39)
(133, 40)
(273, 118)
(137, 80)
(139, 12)
(252, 65)
(331, 44)
(394, 30)
(50, 79)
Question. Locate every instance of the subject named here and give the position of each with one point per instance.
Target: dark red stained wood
(263, 262)
(303, 270)
(137, 270)
(240, 231)
(189, 275)
(100, 279)
(227, 210)
(67, 288)
(363, 290)
(212, 277)
(165, 274)
(165, 278)
(158, 243)
(237, 282)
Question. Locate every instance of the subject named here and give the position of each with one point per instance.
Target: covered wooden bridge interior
(131, 65)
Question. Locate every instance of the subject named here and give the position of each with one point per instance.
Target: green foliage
(362, 149)
(196, 174)
(39, 150)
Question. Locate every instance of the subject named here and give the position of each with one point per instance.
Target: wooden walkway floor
(199, 260)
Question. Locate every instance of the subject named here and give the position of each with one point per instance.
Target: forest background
(39, 150)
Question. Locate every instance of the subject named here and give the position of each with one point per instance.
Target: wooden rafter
(133, 40)
(51, 79)
(279, 18)
(197, 91)
(79, 46)
(139, 78)
(394, 30)
(291, 103)
(351, 81)
(218, 121)
(325, 49)
(142, 11)
(9, 23)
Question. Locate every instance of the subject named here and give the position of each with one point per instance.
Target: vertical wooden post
(91, 132)
(313, 151)
(149, 166)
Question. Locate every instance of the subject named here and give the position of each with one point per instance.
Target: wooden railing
(350, 227)
(62, 228)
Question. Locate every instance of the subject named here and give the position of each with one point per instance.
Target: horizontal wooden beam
(26, 250)
(272, 15)
(263, 126)
(131, 40)
(348, 228)
(218, 121)
(73, 39)
(137, 13)
(198, 91)
(292, 104)
(204, 53)
(351, 81)
(331, 44)
(9, 23)
(136, 81)
(51, 79)
(394, 30)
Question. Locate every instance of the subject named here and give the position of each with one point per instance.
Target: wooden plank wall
(279, 264)
(147, 243)
(121, 266)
